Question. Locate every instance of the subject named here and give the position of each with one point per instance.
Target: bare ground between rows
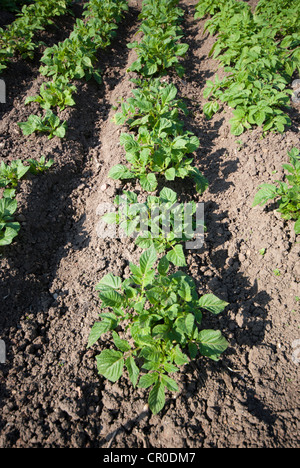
(50, 394)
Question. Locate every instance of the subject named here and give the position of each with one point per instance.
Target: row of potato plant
(259, 52)
(159, 145)
(159, 312)
(19, 36)
(73, 59)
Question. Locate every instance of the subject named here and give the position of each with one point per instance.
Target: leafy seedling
(50, 124)
(161, 317)
(161, 222)
(9, 229)
(11, 174)
(38, 167)
(287, 195)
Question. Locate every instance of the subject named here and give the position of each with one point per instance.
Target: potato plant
(160, 315)
(9, 228)
(11, 174)
(161, 222)
(286, 194)
(159, 50)
(158, 153)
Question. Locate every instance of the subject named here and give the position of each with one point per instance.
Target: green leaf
(212, 344)
(147, 260)
(151, 69)
(193, 350)
(157, 398)
(60, 131)
(163, 266)
(212, 303)
(179, 357)
(181, 49)
(111, 298)
(10, 232)
(110, 364)
(132, 369)
(147, 380)
(189, 323)
(169, 383)
(122, 345)
(170, 173)
(201, 182)
(266, 192)
(170, 368)
(27, 127)
(167, 195)
(179, 143)
(109, 281)
(237, 128)
(148, 182)
(120, 172)
(176, 256)
(297, 226)
(185, 291)
(98, 329)
(110, 218)
(210, 108)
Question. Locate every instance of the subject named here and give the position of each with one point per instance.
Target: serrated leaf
(122, 345)
(169, 383)
(157, 398)
(111, 298)
(266, 192)
(132, 369)
(147, 380)
(170, 368)
(147, 260)
(109, 281)
(98, 329)
(110, 364)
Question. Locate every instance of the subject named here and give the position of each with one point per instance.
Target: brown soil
(50, 393)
